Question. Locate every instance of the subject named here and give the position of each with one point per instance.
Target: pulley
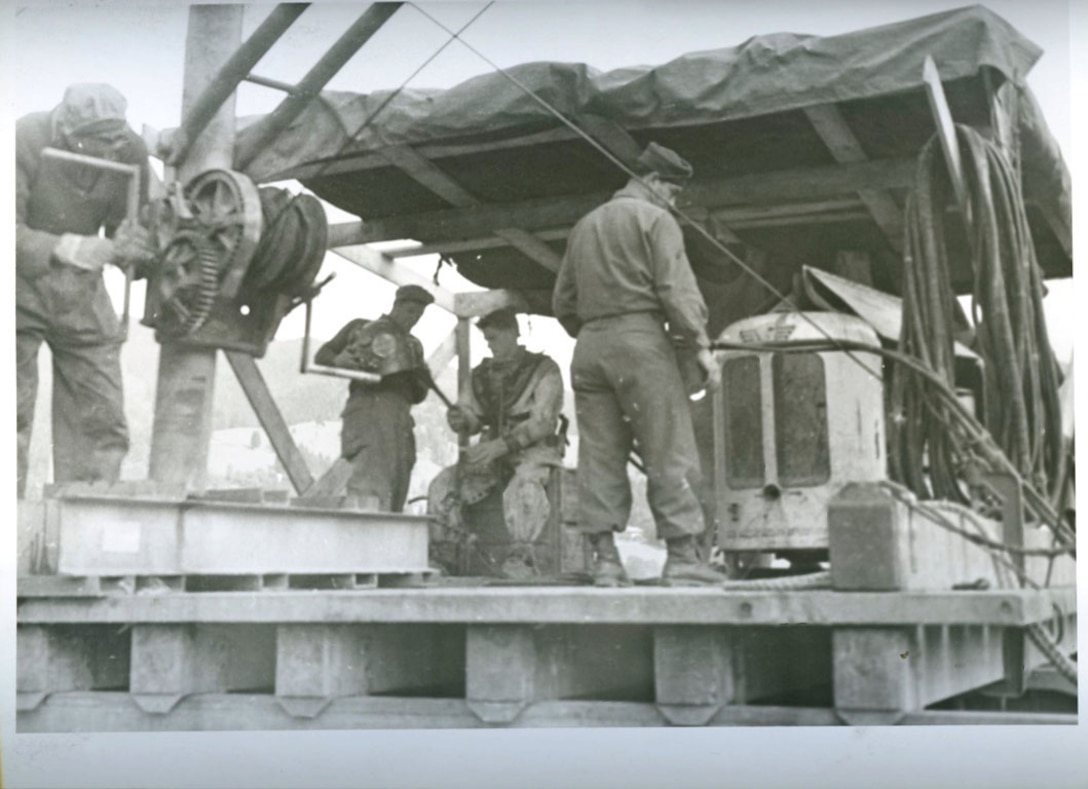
(208, 235)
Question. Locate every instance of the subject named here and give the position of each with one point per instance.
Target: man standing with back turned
(624, 278)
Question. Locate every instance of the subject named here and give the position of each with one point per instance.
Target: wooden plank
(457, 224)
(441, 356)
(114, 712)
(532, 247)
(429, 175)
(472, 244)
(573, 605)
(388, 269)
(474, 304)
(844, 146)
(331, 483)
(946, 132)
(268, 414)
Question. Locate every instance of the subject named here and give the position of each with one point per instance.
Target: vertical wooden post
(186, 378)
(693, 673)
(500, 671)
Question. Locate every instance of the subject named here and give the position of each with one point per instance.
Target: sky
(139, 48)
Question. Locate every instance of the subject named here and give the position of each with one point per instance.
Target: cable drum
(292, 246)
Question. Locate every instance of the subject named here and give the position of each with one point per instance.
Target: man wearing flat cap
(60, 296)
(624, 288)
(377, 434)
(514, 403)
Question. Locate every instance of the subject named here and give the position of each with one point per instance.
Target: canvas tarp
(765, 74)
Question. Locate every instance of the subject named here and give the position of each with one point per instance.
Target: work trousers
(628, 393)
(377, 436)
(70, 311)
(525, 504)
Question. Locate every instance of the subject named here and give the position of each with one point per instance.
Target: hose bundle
(1021, 377)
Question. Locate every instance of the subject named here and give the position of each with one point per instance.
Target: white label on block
(121, 537)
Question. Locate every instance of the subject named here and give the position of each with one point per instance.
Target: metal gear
(210, 236)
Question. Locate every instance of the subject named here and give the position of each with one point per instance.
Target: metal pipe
(270, 127)
(233, 72)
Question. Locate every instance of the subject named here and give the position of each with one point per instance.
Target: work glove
(457, 420)
(133, 245)
(89, 253)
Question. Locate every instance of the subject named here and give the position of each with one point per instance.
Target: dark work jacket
(53, 198)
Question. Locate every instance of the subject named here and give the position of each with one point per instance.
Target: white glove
(89, 253)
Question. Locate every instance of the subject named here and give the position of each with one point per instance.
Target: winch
(233, 260)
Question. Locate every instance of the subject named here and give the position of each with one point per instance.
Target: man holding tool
(515, 403)
(624, 288)
(62, 204)
(377, 433)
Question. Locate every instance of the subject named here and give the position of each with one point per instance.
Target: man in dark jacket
(625, 285)
(377, 433)
(60, 297)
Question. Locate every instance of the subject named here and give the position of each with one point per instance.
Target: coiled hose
(1021, 376)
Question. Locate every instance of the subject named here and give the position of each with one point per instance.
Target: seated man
(515, 402)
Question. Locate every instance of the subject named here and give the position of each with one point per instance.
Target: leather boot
(607, 566)
(683, 567)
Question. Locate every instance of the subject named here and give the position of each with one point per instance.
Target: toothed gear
(208, 255)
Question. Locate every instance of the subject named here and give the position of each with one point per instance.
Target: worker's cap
(91, 108)
(668, 164)
(504, 318)
(414, 293)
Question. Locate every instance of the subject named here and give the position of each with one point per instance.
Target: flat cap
(668, 164)
(504, 318)
(414, 293)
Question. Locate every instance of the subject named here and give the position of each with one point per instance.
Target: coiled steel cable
(1020, 376)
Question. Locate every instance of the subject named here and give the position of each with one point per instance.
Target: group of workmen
(625, 291)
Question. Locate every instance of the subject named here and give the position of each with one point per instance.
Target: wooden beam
(946, 131)
(470, 245)
(458, 224)
(443, 354)
(471, 305)
(844, 146)
(429, 175)
(268, 414)
(532, 247)
(385, 267)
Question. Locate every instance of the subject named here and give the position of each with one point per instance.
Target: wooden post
(500, 671)
(171, 661)
(693, 673)
(186, 379)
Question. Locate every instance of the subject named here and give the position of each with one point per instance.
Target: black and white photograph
(455, 393)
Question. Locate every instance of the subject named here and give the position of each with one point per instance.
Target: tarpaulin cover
(765, 74)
